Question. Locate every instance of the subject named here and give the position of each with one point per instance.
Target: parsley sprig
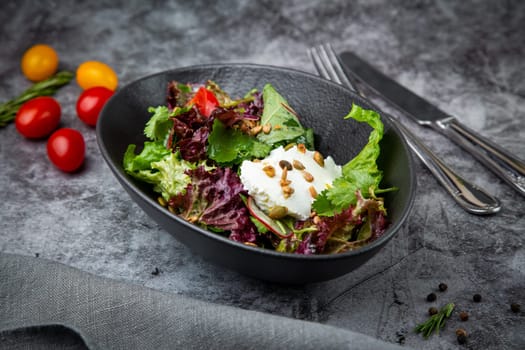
(435, 322)
(46, 87)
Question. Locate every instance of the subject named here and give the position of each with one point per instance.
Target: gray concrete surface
(467, 57)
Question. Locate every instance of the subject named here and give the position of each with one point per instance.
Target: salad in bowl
(247, 169)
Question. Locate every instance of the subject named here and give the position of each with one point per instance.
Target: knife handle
(472, 198)
(500, 161)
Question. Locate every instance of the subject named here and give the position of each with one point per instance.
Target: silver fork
(469, 196)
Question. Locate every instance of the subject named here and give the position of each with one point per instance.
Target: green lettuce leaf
(286, 127)
(158, 166)
(361, 173)
(229, 146)
(136, 163)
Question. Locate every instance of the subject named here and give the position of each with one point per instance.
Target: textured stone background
(465, 56)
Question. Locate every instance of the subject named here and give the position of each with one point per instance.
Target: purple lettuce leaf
(253, 108)
(213, 199)
(248, 109)
(178, 94)
(190, 131)
(350, 229)
(228, 117)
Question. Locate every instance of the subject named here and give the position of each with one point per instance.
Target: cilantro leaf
(159, 125)
(229, 146)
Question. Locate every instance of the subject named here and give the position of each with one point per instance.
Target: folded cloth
(106, 314)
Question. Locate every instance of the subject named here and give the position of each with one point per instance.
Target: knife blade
(504, 164)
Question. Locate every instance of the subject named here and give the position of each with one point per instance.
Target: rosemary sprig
(435, 322)
(46, 87)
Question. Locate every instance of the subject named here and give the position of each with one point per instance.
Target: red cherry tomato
(205, 101)
(38, 117)
(66, 149)
(90, 103)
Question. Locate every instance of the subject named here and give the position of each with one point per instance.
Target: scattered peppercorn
(515, 307)
(463, 315)
(442, 287)
(431, 297)
(462, 339)
(432, 311)
(400, 337)
(477, 298)
(460, 332)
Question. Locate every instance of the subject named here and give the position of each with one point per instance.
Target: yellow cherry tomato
(39, 62)
(95, 73)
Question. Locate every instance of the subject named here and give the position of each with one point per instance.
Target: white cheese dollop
(267, 190)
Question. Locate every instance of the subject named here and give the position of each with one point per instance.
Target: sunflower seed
(269, 170)
(278, 212)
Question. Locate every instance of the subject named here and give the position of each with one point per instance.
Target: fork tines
(327, 64)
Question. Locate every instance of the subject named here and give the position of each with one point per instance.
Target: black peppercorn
(431, 297)
(432, 311)
(515, 307)
(462, 339)
(463, 315)
(477, 298)
(443, 287)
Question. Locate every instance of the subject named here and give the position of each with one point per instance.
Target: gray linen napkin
(40, 297)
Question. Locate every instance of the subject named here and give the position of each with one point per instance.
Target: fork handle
(472, 198)
(501, 162)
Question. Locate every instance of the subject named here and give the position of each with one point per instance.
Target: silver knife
(509, 167)
(469, 196)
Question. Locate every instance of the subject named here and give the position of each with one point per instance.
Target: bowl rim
(123, 177)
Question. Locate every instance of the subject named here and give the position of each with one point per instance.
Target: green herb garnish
(228, 146)
(46, 87)
(435, 322)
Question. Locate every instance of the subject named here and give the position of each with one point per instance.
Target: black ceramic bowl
(321, 105)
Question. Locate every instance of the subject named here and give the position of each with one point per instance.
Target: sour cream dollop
(307, 175)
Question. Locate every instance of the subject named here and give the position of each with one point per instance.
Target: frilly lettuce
(359, 174)
(156, 164)
(164, 169)
(172, 175)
